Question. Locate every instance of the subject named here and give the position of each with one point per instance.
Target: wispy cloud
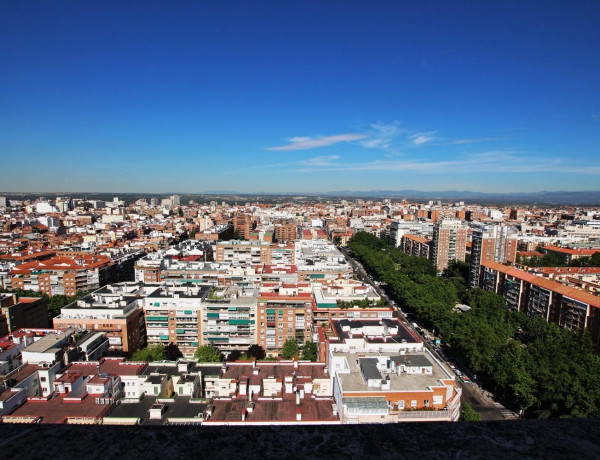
(306, 143)
(381, 135)
(474, 140)
(421, 138)
(484, 162)
(327, 160)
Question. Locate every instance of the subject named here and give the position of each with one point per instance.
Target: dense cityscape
(163, 312)
(299, 229)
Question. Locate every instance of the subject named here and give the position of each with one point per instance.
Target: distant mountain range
(557, 198)
(545, 197)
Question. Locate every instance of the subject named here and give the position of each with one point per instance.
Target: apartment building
(534, 295)
(229, 318)
(569, 254)
(243, 225)
(184, 256)
(22, 312)
(449, 242)
(114, 309)
(173, 315)
(319, 260)
(275, 393)
(496, 243)
(415, 246)
(387, 387)
(286, 232)
(283, 315)
(242, 252)
(63, 275)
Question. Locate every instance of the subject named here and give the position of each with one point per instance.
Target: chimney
(298, 414)
(297, 398)
(295, 364)
(244, 412)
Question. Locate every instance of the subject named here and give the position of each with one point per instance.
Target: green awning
(157, 318)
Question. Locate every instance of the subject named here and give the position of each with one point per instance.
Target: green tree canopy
(154, 352)
(468, 414)
(290, 349)
(529, 363)
(309, 352)
(257, 352)
(208, 354)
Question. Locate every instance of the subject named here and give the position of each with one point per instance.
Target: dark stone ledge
(563, 438)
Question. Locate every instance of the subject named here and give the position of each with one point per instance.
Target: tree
(237, 235)
(234, 355)
(468, 414)
(173, 352)
(208, 354)
(337, 240)
(309, 352)
(290, 349)
(154, 352)
(257, 352)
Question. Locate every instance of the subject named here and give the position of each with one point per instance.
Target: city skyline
(191, 98)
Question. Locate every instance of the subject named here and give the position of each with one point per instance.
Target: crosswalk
(507, 414)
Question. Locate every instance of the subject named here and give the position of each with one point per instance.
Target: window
(426, 403)
(413, 403)
(401, 404)
(42, 379)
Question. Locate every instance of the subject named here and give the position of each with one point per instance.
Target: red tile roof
(545, 283)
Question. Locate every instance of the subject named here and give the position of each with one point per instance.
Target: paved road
(362, 273)
(482, 405)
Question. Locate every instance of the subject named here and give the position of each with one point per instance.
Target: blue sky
(299, 96)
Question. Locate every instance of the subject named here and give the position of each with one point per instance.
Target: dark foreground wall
(578, 438)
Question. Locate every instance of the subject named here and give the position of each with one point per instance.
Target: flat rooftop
(277, 410)
(48, 342)
(277, 371)
(180, 407)
(354, 381)
(56, 409)
(404, 335)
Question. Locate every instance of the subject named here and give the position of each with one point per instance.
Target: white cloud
(381, 135)
(473, 140)
(327, 160)
(421, 138)
(306, 143)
